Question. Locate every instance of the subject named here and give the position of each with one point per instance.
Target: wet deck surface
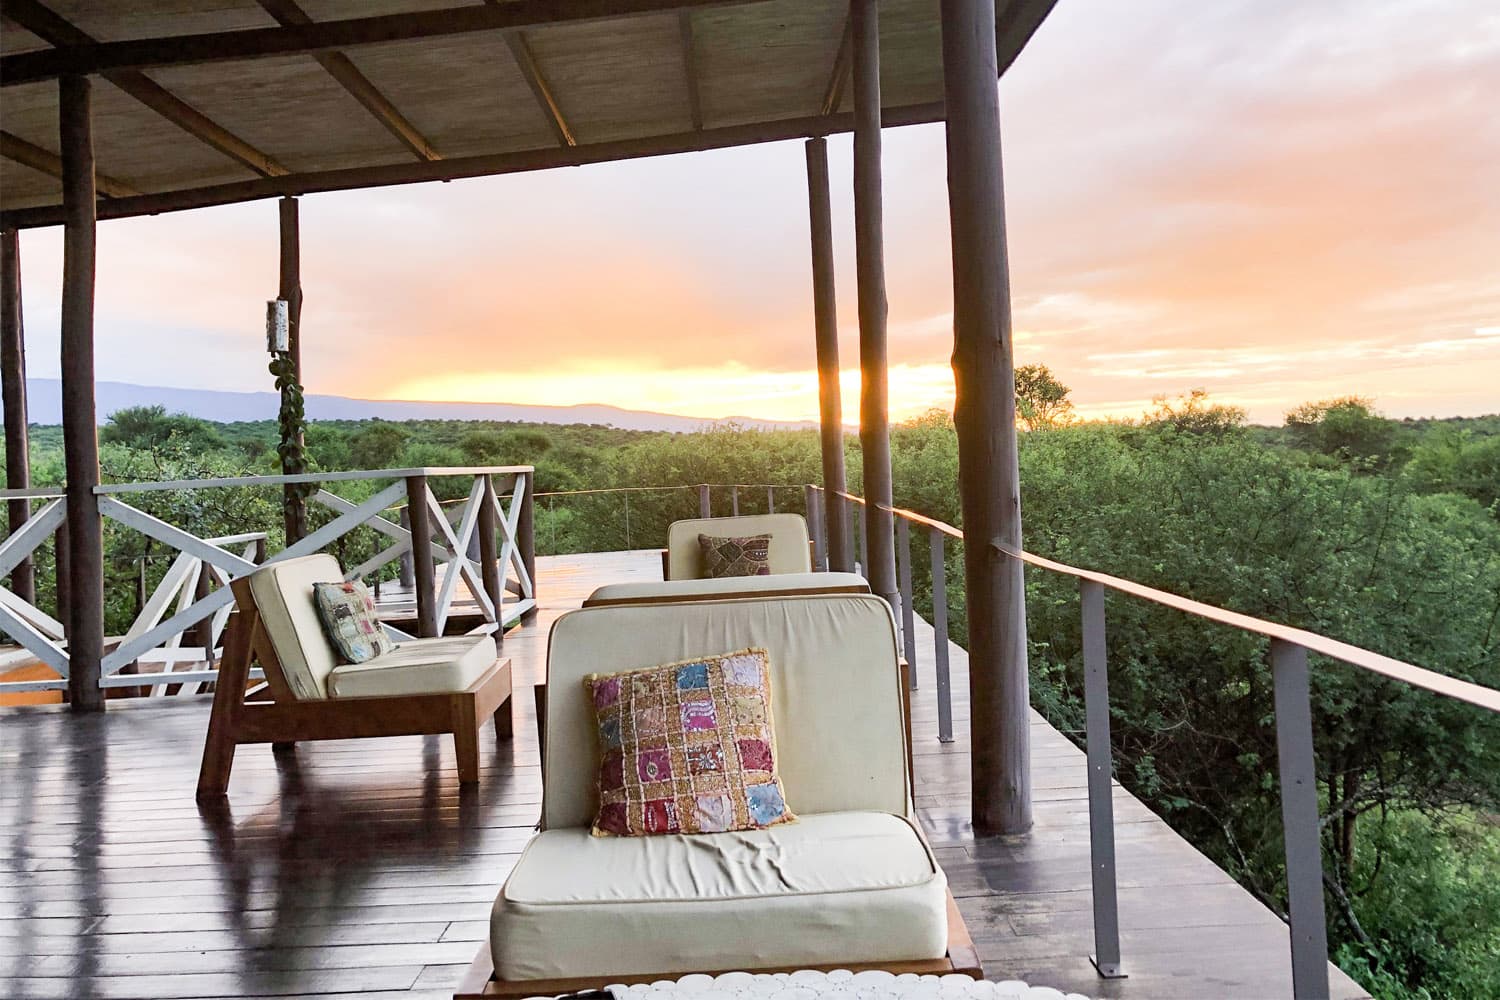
(358, 868)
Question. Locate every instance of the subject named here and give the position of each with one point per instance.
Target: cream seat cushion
(788, 553)
(786, 584)
(839, 887)
(444, 665)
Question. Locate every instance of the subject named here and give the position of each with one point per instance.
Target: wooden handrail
(1387, 666)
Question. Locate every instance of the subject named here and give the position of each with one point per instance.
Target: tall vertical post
(1106, 957)
(705, 505)
(13, 394)
(908, 612)
(1299, 820)
(491, 573)
(424, 574)
(293, 505)
(826, 332)
(526, 535)
(869, 254)
(80, 431)
(985, 417)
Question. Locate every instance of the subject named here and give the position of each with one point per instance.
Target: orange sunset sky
(1276, 200)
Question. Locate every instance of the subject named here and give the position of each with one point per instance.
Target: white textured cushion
(443, 665)
(283, 593)
(788, 552)
(835, 682)
(729, 587)
(832, 888)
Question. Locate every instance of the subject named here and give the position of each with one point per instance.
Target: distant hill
(44, 402)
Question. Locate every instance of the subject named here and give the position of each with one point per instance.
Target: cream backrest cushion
(283, 592)
(835, 684)
(788, 553)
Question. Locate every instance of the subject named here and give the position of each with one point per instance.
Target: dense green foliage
(1382, 533)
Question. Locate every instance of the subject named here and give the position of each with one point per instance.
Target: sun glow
(708, 392)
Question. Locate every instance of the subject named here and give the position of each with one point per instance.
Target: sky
(1278, 201)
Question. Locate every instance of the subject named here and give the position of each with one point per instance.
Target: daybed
(852, 884)
(728, 587)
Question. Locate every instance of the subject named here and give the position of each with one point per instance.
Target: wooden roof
(203, 102)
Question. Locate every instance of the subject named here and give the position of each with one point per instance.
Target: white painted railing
(195, 594)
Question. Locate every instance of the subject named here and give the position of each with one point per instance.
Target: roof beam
(13, 147)
(843, 63)
(320, 36)
(526, 61)
(690, 67)
(54, 30)
(348, 75)
(474, 166)
(1015, 23)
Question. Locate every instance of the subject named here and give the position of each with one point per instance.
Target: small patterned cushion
(348, 614)
(748, 556)
(687, 747)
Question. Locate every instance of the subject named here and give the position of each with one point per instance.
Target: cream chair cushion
(788, 552)
(283, 593)
(444, 665)
(835, 685)
(724, 588)
(839, 887)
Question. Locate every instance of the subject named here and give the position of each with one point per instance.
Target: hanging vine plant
(291, 420)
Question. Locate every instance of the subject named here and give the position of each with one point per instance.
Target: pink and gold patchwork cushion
(687, 747)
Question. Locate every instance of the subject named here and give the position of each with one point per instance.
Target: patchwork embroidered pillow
(348, 614)
(687, 747)
(747, 556)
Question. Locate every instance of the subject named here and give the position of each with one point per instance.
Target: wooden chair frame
(481, 983)
(272, 714)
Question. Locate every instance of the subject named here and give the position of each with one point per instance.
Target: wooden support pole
(826, 327)
(985, 417)
(293, 504)
(62, 572)
(80, 430)
(526, 536)
(423, 573)
(869, 254)
(490, 570)
(13, 393)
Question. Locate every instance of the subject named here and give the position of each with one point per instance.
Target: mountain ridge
(44, 406)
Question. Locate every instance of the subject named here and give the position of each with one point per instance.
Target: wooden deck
(359, 867)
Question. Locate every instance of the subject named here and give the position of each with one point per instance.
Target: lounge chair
(450, 684)
(790, 550)
(852, 884)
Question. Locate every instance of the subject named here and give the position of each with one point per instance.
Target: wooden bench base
(480, 982)
(273, 715)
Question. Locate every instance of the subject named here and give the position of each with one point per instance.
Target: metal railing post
(770, 499)
(1299, 820)
(627, 522)
(734, 500)
(1106, 957)
(861, 543)
(816, 526)
(705, 501)
(908, 613)
(940, 637)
